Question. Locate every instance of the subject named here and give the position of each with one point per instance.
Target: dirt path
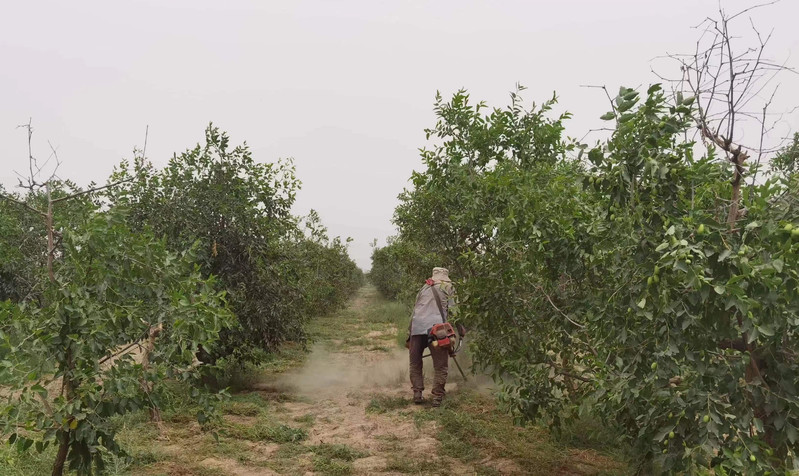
(346, 409)
(355, 390)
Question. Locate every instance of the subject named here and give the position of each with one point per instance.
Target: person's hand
(408, 342)
(461, 330)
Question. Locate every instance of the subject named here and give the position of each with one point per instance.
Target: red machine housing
(443, 335)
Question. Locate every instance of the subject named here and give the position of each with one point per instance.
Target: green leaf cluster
(68, 364)
(608, 279)
(202, 259)
(238, 210)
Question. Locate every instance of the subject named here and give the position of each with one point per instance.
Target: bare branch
(146, 133)
(610, 100)
(762, 135)
(753, 7)
(23, 204)
(91, 190)
(581, 326)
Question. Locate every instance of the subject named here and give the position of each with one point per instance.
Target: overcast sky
(344, 87)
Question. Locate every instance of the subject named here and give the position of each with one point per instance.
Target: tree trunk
(155, 412)
(50, 241)
(61, 457)
(63, 446)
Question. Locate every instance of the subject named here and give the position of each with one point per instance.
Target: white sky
(344, 87)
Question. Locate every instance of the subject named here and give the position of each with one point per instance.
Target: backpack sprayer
(443, 335)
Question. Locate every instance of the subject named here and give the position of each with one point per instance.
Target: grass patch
(383, 404)
(335, 460)
(345, 329)
(589, 433)
(290, 450)
(14, 463)
(487, 471)
(277, 395)
(285, 459)
(390, 313)
(241, 408)
(238, 376)
(331, 467)
(136, 437)
(408, 465)
(357, 341)
(307, 419)
(262, 431)
(342, 452)
(338, 326)
(472, 428)
(290, 356)
(286, 434)
(389, 443)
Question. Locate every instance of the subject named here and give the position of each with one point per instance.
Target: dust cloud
(325, 373)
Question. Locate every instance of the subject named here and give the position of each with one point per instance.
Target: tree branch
(91, 190)
(23, 204)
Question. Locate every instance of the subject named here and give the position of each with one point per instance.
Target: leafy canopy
(606, 279)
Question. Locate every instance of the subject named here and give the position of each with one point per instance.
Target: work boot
(437, 402)
(417, 398)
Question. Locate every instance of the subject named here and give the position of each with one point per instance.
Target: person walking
(433, 303)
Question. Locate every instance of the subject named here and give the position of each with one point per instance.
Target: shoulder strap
(438, 302)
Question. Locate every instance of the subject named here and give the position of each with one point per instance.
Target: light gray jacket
(425, 311)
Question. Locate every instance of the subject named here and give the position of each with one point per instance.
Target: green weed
(471, 428)
(241, 408)
(307, 419)
(13, 463)
(335, 460)
(383, 404)
(261, 431)
(331, 467)
(405, 464)
(286, 434)
(342, 452)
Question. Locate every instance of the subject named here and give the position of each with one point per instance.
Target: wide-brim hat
(441, 274)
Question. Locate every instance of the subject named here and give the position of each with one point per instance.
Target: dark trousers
(440, 365)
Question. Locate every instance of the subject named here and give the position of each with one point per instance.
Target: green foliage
(608, 279)
(708, 307)
(64, 359)
(14, 463)
(329, 276)
(786, 162)
(334, 460)
(384, 403)
(472, 429)
(239, 212)
(399, 268)
(158, 261)
(23, 237)
(265, 431)
(17, 268)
